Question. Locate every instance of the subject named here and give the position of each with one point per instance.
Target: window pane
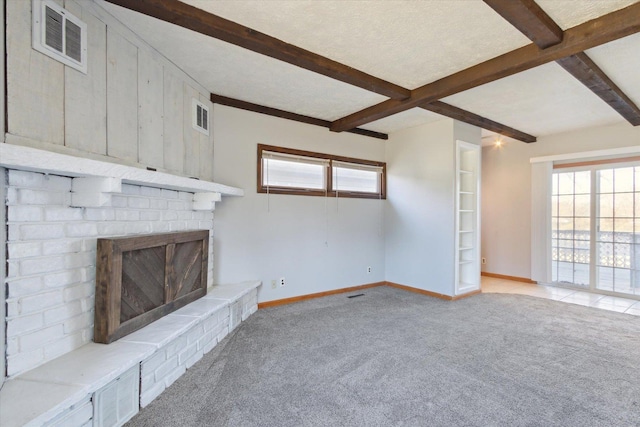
(606, 205)
(606, 181)
(623, 180)
(605, 278)
(565, 183)
(363, 181)
(624, 205)
(583, 182)
(622, 255)
(281, 173)
(583, 206)
(582, 228)
(566, 205)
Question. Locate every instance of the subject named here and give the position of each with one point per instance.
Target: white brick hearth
(52, 252)
(105, 384)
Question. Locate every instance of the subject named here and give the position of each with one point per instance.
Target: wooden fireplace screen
(139, 279)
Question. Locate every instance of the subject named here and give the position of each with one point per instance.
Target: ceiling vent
(200, 117)
(59, 34)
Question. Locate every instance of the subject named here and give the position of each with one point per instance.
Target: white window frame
(541, 177)
(39, 32)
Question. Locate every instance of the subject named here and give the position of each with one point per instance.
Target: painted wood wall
(133, 106)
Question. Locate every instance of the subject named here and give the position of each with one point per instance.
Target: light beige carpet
(393, 358)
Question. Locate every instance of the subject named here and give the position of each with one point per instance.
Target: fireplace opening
(142, 278)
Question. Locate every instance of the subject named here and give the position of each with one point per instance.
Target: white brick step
(59, 390)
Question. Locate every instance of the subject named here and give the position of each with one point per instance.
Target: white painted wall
(133, 106)
(317, 244)
(420, 216)
(506, 191)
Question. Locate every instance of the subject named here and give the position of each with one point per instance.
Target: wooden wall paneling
(173, 122)
(35, 82)
(2, 117)
(85, 99)
(206, 145)
(191, 136)
(122, 97)
(113, 24)
(150, 111)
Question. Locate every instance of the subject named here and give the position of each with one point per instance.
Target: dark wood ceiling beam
(587, 72)
(211, 25)
(596, 32)
(533, 22)
(476, 120)
(530, 20)
(192, 18)
(256, 108)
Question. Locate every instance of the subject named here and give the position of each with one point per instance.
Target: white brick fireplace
(57, 208)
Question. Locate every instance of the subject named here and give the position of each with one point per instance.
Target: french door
(595, 230)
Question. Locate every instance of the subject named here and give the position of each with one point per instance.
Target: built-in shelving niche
(467, 217)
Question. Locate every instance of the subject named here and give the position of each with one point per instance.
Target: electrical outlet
(274, 284)
(281, 281)
(368, 269)
(484, 260)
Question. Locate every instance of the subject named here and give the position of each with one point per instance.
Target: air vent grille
(53, 32)
(59, 34)
(200, 117)
(73, 38)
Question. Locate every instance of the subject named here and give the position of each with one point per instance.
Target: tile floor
(621, 305)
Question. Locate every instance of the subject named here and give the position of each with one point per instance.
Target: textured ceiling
(406, 42)
(409, 43)
(569, 13)
(541, 101)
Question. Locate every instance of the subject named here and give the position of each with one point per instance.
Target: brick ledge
(38, 396)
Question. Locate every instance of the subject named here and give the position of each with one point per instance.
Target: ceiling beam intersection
(587, 35)
(534, 22)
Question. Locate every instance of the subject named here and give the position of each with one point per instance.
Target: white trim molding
(622, 151)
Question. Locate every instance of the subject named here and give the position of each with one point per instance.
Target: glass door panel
(618, 230)
(571, 227)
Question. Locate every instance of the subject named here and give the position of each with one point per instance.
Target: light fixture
(498, 143)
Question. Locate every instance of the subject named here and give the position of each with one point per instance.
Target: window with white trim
(595, 225)
(288, 171)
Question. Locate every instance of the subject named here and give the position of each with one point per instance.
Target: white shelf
(467, 274)
(35, 160)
